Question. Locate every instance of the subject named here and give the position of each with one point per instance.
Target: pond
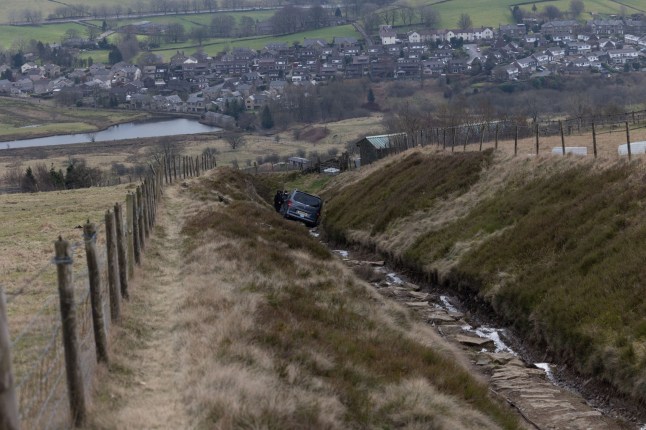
(130, 130)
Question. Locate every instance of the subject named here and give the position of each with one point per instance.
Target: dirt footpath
(142, 388)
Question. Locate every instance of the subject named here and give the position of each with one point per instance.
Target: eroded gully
(539, 391)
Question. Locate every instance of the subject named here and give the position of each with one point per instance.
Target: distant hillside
(554, 247)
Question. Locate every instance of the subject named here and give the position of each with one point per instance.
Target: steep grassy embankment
(279, 334)
(554, 246)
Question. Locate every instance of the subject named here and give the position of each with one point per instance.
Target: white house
(621, 56)
(387, 35)
(631, 39)
(414, 37)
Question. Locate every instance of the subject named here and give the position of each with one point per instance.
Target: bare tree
(464, 22)
(222, 25)
(175, 33)
(576, 7)
(389, 15)
(370, 18)
(92, 32)
(247, 26)
(316, 17)
(429, 17)
(13, 177)
(199, 34)
(235, 140)
(407, 14)
(552, 12)
(33, 17)
(128, 45)
(287, 20)
(117, 10)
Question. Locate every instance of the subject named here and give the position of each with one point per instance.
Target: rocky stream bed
(541, 393)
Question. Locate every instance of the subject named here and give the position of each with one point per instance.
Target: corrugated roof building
(372, 148)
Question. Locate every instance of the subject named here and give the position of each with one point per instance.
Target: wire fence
(40, 381)
(617, 135)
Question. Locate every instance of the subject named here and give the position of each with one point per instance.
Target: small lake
(130, 130)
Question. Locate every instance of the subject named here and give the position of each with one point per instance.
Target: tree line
(130, 9)
(77, 174)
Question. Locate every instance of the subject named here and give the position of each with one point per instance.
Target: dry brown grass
(269, 366)
(31, 224)
(547, 241)
(242, 320)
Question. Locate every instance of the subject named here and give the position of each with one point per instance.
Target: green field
(482, 13)
(592, 7)
(214, 46)
(491, 13)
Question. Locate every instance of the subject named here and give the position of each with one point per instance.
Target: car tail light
(289, 203)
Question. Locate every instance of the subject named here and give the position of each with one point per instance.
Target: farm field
(258, 43)
(492, 13)
(24, 119)
(592, 7)
(481, 12)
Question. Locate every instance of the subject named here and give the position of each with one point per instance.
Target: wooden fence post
(496, 144)
(197, 166)
(145, 208)
(133, 223)
(165, 171)
(454, 135)
(9, 415)
(594, 140)
(113, 266)
(562, 137)
(536, 138)
(482, 129)
(516, 142)
(94, 274)
(140, 222)
(444, 138)
(466, 139)
(628, 141)
(76, 392)
(175, 168)
(131, 233)
(121, 251)
(148, 185)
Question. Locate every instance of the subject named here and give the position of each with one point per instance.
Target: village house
(512, 31)
(560, 30)
(607, 27)
(387, 35)
(622, 56)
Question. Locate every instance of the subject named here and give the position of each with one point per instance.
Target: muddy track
(530, 390)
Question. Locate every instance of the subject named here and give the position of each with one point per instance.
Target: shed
(372, 148)
(300, 162)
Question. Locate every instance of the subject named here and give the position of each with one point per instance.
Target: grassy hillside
(282, 317)
(554, 246)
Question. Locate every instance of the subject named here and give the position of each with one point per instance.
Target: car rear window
(307, 199)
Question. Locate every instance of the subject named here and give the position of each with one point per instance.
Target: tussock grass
(280, 335)
(414, 183)
(554, 248)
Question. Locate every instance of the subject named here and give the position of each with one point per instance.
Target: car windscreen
(307, 199)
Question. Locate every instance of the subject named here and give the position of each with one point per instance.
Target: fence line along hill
(56, 320)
